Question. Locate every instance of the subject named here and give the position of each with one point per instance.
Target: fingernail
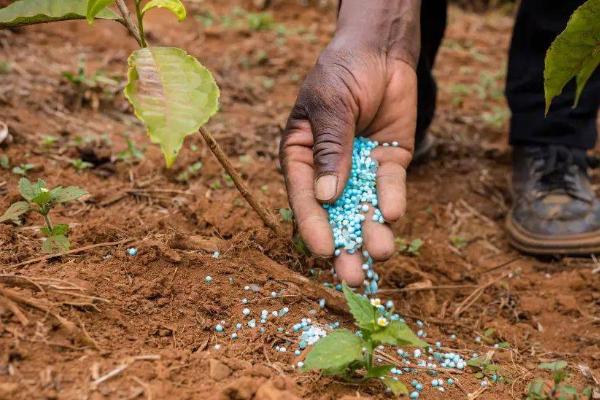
(326, 187)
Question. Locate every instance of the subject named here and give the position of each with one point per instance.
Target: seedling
(5, 67)
(412, 249)
(38, 198)
(484, 367)
(286, 214)
(48, 141)
(351, 355)
(90, 88)
(23, 169)
(132, 154)
(81, 165)
(189, 172)
(458, 242)
(4, 161)
(541, 389)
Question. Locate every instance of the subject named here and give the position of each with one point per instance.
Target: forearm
(393, 26)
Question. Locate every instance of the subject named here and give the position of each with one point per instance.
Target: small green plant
(540, 389)
(351, 355)
(190, 172)
(48, 141)
(4, 161)
(40, 199)
(262, 21)
(458, 242)
(496, 118)
(5, 67)
(23, 169)
(412, 248)
(81, 165)
(286, 214)
(484, 367)
(131, 154)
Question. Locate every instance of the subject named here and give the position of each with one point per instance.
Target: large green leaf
(175, 6)
(15, 211)
(94, 7)
(27, 12)
(398, 334)
(335, 351)
(361, 309)
(172, 93)
(575, 53)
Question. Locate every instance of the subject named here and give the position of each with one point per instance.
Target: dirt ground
(103, 324)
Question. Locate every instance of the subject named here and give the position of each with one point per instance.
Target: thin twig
(264, 214)
(425, 288)
(128, 22)
(476, 294)
(74, 251)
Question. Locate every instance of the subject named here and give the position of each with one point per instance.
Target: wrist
(388, 26)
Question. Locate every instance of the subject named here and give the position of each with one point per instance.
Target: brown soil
(154, 316)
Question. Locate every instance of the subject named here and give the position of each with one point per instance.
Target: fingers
(348, 268)
(297, 161)
(391, 181)
(378, 238)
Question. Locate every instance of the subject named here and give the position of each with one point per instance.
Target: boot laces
(558, 168)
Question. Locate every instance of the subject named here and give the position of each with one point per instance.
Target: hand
(355, 89)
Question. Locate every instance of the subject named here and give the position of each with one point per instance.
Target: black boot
(555, 210)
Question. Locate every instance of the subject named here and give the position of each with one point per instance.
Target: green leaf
(378, 372)
(15, 211)
(335, 351)
(64, 195)
(536, 389)
(96, 6)
(172, 93)
(175, 6)
(361, 309)
(43, 198)
(57, 243)
(286, 214)
(60, 229)
(29, 190)
(27, 12)
(397, 387)
(398, 334)
(575, 53)
(554, 366)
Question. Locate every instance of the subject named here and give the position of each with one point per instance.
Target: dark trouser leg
(538, 23)
(433, 25)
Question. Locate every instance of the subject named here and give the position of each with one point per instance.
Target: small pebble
(219, 328)
(216, 254)
(208, 279)
(132, 251)
(246, 311)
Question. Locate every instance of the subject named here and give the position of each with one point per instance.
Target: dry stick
(67, 325)
(425, 288)
(473, 297)
(264, 214)
(74, 251)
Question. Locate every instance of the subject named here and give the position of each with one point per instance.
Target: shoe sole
(535, 244)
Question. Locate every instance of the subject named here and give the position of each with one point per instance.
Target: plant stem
(140, 23)
(129, 24)
(264, 214)
(48, 222)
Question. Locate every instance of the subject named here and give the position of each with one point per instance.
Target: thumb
(329, 109)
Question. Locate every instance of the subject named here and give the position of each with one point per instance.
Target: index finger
(298, 165)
